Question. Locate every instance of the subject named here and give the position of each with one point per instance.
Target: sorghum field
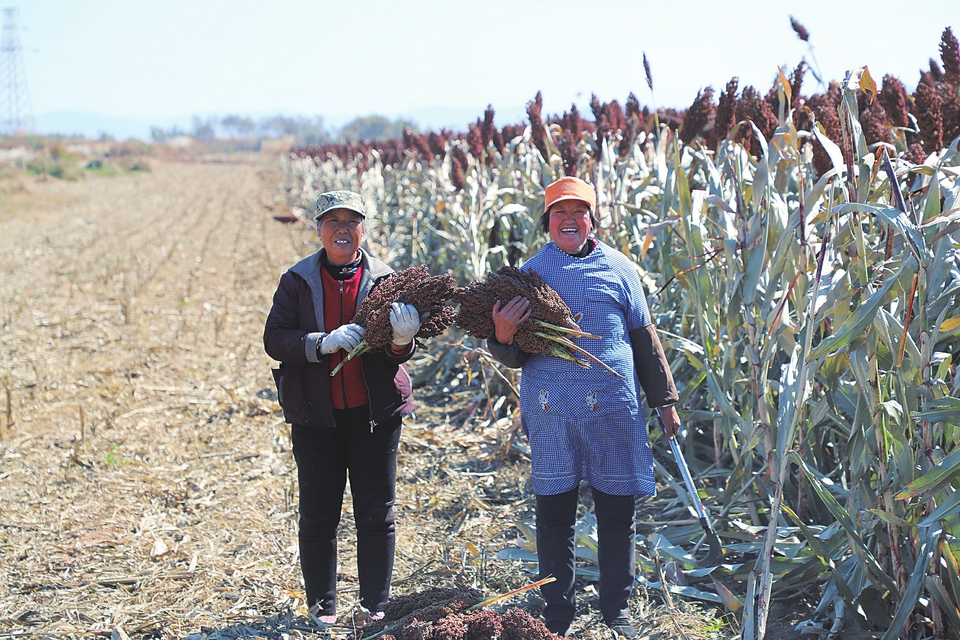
(799, 248)
(148, 486)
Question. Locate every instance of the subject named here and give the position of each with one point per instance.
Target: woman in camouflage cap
(348, 424)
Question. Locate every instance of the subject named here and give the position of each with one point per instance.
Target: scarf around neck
(341, 271)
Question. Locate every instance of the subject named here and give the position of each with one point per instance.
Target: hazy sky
(173, 58)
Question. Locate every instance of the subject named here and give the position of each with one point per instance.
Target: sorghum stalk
(570, 345)
(574, 332)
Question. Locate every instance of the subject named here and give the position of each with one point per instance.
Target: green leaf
(811, 197)
(833, 151)
(909, 598)
(755, 266)
(910, 347)
(825, 559)
(663, 547)
(892, 519)
(529, 533)
(793, 393)
(935, 479)
(935, 588)
(687, 592)
(946, 509)
(810, 537)
(516, 554)
(896, 218)
(748, 622)
(722, 401)
(854, 325)
(951, 568)
(931, 200)
(945, 409)
(871, 567)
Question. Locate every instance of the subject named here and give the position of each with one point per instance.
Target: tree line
(306, 131)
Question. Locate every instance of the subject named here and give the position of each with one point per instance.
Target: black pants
(616, 541)
(325, 457)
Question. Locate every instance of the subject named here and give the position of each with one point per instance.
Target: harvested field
(148, 484)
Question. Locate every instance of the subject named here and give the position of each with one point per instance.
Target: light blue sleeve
(635, 306)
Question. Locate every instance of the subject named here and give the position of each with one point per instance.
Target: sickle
(712, 540)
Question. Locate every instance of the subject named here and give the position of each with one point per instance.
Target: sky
(164, 60)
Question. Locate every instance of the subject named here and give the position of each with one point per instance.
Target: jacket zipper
(343, 377)
(373, 423)
(343, 383)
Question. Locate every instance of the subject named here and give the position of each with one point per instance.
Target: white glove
(405, 320)
(345, 337)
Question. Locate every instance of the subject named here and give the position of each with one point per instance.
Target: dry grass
(147, 479)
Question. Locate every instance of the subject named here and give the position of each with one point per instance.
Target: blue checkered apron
(587, 424)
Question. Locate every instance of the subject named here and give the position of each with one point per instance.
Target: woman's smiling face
(570, 224)
(341, 231)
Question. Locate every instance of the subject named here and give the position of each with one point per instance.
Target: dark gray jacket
(293, 328)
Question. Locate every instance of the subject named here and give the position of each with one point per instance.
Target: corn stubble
(413, 286)
(549, 329)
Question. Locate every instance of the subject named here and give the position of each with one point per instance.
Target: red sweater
(347, 388)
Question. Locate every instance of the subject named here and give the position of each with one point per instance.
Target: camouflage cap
(340, 200)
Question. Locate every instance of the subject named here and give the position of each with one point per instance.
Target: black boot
(622, 627)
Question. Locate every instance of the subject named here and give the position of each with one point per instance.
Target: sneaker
(324, 621)
(559, 628)
(622, 626)
(321, 620)
(363, 617)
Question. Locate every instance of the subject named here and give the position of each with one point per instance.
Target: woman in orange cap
(588, 425)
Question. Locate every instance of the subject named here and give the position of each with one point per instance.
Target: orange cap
(570, 188)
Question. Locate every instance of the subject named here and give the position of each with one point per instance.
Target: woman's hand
(669, 420)
(345, 337)
(405, 322)
(507, 319)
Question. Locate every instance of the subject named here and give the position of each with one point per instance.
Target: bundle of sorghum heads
(476, 302)
(549, 330)
(546, 303)
(410, 286)
(428, 294)
(478, 298)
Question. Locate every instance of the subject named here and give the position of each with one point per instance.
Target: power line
(16, 116)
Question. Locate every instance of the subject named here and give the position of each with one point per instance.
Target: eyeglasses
(332, 223)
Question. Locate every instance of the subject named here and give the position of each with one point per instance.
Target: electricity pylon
(15, 114)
